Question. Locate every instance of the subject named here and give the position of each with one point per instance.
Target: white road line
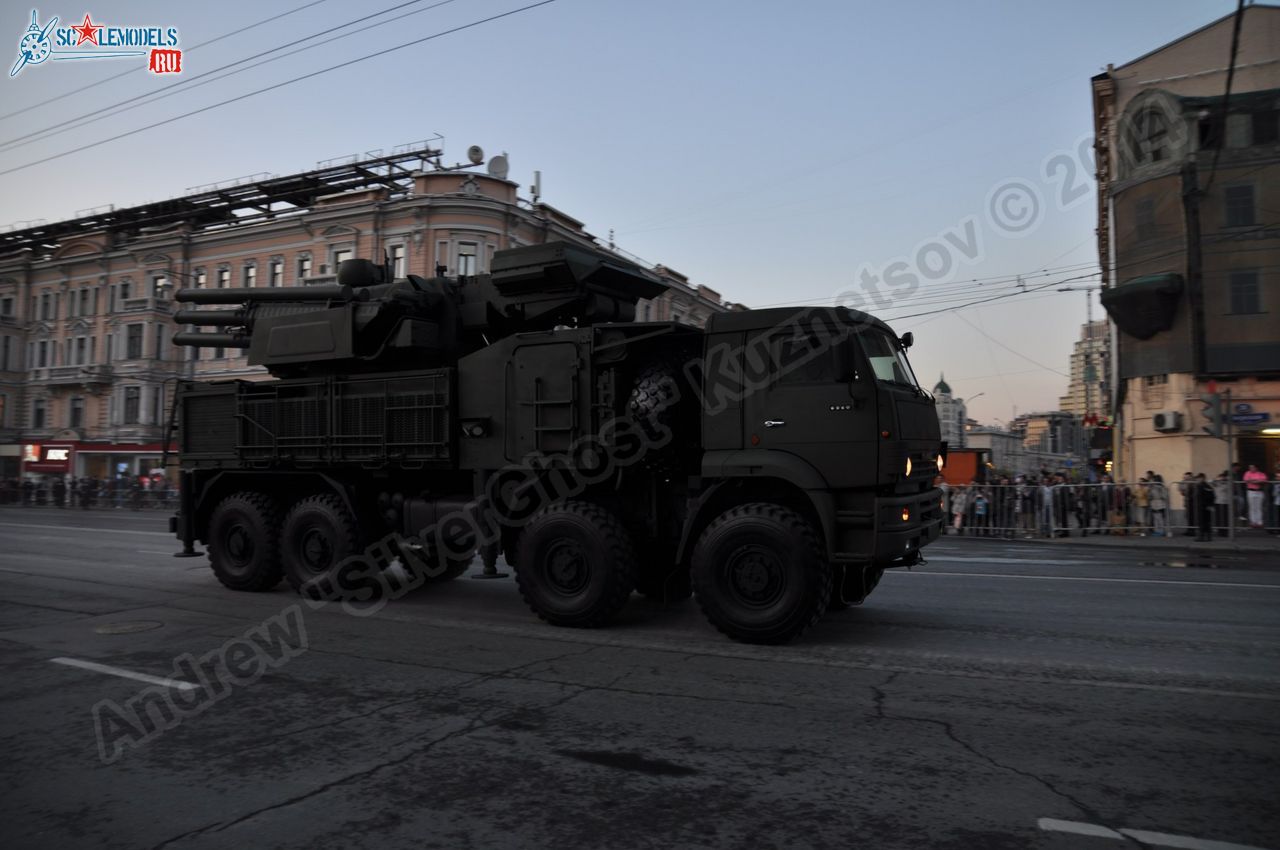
(1087, 578)
(1157, 839)
(83, 528)
(125, 674)
(157, 551)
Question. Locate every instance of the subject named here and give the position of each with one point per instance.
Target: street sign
(1244, 407)
(1250, 418)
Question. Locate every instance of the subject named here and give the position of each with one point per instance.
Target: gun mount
(368, 322)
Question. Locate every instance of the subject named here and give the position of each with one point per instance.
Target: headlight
(940, 462)
(906, 514)
(908, 467)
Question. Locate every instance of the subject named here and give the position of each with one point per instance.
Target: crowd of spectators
(1051, 505)
(59, 491)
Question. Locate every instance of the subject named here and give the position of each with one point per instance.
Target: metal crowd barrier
(1060, 510)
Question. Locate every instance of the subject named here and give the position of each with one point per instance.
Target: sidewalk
(1247, 540)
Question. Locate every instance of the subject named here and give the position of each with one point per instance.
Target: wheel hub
(755, 575)
(316, 550)
(239, 545)
(567, 567)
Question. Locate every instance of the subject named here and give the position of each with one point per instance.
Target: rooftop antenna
(537, 186)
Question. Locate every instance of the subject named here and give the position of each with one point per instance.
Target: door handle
(774, 423)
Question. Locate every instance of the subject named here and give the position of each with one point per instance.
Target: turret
(369, 322)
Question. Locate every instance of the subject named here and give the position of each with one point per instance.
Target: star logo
(87, 31)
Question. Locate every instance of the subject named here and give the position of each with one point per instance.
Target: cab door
(815, 403)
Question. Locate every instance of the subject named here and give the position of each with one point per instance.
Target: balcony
(62, 376)
(146, 305)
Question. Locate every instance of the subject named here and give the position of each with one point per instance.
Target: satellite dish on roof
(475, 153)
(498, 167)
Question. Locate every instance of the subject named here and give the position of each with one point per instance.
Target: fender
(725, 467)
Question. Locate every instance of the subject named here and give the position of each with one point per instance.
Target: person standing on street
(1159, 502)
(1222, 502)
(1186, 488)
(1255, 483)
(1203, 499)
(959, 502)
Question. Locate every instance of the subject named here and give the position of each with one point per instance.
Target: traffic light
(1215, 414)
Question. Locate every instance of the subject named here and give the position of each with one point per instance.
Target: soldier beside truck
(774, 463)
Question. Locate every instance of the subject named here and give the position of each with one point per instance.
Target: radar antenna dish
(475, 154)
(498, 167)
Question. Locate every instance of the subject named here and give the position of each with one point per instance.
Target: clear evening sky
(776, 152)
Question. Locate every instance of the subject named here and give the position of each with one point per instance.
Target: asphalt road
(1005, 695)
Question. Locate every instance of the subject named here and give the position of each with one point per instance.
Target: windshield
(888, 360)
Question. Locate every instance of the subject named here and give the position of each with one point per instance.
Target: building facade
(1189, 241)
(1008, 456)
(1089, 369)
(87, 366)
(1055, 441)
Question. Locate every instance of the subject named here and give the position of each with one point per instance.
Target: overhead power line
(192, 48)
(265, 89)
(236, 67)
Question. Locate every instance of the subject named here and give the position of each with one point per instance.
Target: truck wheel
(319, 534)
(852, 586)
(244, 534)
(577, 565)
(760, 575)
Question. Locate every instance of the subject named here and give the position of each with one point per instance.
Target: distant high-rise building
(1090, 367)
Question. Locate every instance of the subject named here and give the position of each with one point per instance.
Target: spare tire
(663, 404)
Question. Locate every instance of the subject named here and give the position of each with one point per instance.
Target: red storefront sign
(53, 458)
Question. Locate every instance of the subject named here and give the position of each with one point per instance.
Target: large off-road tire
(663, 405)
(577, 564)
(244, 541)
(319, 535)
(852, 586)
(760, 574)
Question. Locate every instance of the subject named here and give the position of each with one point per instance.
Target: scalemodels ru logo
(39, 43)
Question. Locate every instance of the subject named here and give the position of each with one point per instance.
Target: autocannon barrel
(211, 340)
(325, 292)
(225, 318)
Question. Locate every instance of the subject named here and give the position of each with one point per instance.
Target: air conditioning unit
(1170, 420)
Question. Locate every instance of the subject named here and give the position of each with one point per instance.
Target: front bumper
(897, 540)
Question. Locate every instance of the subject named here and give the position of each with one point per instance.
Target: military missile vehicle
(773, 463)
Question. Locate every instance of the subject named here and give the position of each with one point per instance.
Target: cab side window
(803, 359)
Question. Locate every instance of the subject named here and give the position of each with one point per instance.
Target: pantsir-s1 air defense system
(773, 463)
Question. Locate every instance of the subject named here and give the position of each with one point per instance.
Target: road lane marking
(1088, 578)
(1158, 839)
(125, 674)
(157, 551)
(83, 528)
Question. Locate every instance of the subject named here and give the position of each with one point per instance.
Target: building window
(6, 346)
(1155, 380)
(1244, 293)
(6, 306)
(160, 352)
(304, 267)
(132, 404)
(75, 413)
(1239, 209)
(202, 278)
(125, 288)
(250, 277)
(397, 261)
(82, 351)
(157, 406)
(1266, 127)
(1144, 215)
(85, 309)
(159, 286)
(276, 274)
(133, 342)
(38, 411)
(1148, 137)
(224, 277)
(466, 259)
(43, 349)
(339, 256)
(46, 306)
